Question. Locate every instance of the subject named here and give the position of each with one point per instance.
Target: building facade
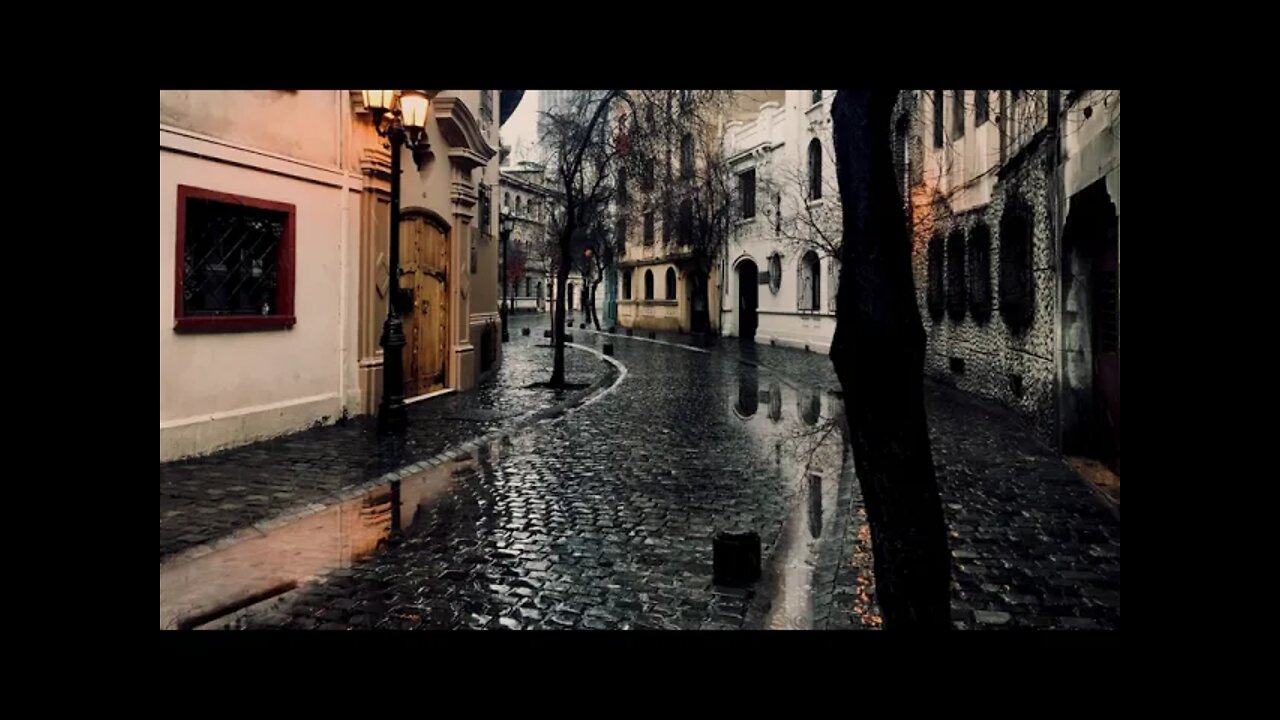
(274, 227)
(1015, 206)
(660, 279)
(783, 262)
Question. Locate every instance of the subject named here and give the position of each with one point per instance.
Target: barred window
(809, 282)
(686, 222)
(747, 193)
(626, 284)
(957, 113)
(1017, 288)
(955, 275)
(934, 297)
(937, 118)
(981, 106)
(980, 272)
(237, 262)
(815, 170)
(671, 284)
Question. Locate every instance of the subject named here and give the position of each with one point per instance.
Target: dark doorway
(568, 296)
(699, 309)
(1091, 327)
(748, 299)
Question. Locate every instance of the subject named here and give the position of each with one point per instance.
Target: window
(646, 180)
(1016, 287)
(955, 275)
(486, 210)
(648, 284)
(626, 284)
(980, 272)
(236, 258)
(809, 282)
(957, 113)
(777, 214)
(519, 205)
(686, 156)
(528, 286)
(686, 222)
(506, 202)
(815, 170)
(671, 284)
(648, 228)
(622, 184)
(775, 273)
(833, 283)
(937, 118)
(981, 106)
(934, 293)
(815, 97)
(747, 193)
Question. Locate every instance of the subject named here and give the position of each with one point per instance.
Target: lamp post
(506, 224)
(403, 121)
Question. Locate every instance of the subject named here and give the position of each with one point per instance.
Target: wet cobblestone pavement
(603, 518)
(207, 498)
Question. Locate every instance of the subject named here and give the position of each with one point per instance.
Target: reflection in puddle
(810, 456)
(203, 588)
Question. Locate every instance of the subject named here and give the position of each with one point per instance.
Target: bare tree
(674, 165)
(878, 354)
(581, 154)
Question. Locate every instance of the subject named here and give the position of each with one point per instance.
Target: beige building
(274, 227)
(658, 278)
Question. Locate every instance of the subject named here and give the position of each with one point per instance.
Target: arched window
(626, 284)
(648, 284)
(528, 286)
(671, 283)
(775, 273)
(980, 272)
(955, 275)
(934, 292)
(815, 170)
(1017, 290)
(506, 201)
(539, 289)
(809, 282)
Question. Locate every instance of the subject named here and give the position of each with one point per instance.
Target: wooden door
(424, 259)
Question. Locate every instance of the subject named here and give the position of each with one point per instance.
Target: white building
(781, 265)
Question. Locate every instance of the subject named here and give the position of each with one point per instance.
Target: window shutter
(802, 287)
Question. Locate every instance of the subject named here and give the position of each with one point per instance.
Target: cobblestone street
(603, 517)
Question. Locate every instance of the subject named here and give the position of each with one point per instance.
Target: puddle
(200, 590)
(808, 450)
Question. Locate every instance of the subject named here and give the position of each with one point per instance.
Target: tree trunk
(591, 303)
(878, 353)
(562, 280)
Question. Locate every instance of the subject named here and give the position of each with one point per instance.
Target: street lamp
(403, 121)
(506, 223)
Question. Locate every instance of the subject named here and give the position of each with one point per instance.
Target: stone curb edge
(456, 452)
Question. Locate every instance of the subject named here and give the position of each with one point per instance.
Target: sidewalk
(206, 499)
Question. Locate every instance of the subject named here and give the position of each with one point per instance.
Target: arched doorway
(1091, 327)
(748, 299)
(424, 270)
(699, 306)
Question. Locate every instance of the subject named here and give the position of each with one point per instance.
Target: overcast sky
(522, 127)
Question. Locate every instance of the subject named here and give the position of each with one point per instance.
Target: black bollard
(568, 337)
(736, 558)
(630, 332)
(546, 333)
(582, 326)
(524, 331)
(653, 335)
(608, 348)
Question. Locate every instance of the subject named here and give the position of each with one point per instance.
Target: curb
(456, 452)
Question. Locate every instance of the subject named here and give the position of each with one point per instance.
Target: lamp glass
(379, 99)
(413, 109)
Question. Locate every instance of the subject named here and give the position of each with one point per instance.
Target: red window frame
(284, 315)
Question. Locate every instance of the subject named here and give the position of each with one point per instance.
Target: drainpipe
(1056, 183)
